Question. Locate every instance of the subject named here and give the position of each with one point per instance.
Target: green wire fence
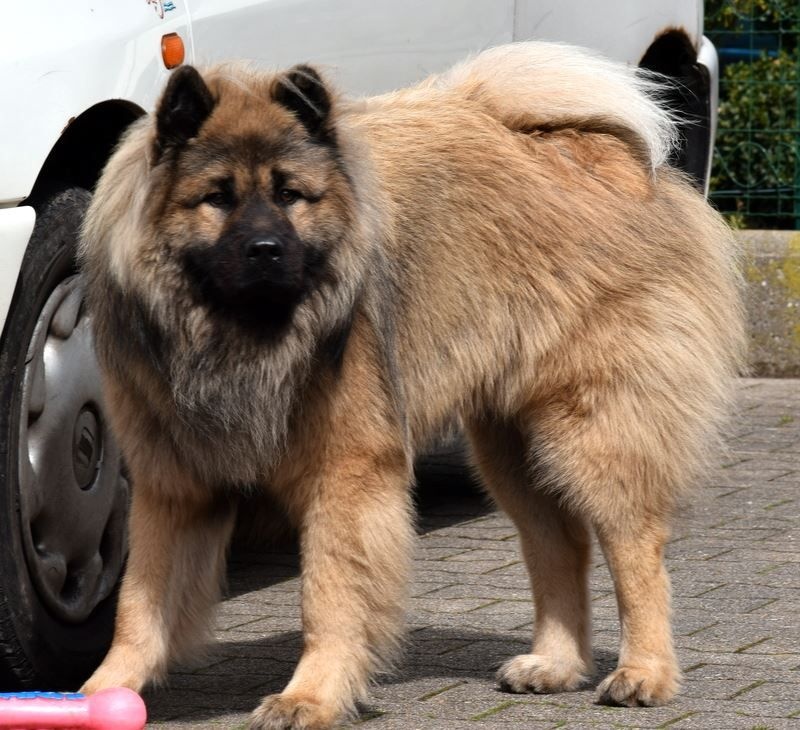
(755, 179)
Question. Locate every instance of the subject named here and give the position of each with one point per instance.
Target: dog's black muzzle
(257, 278)
(269, 264)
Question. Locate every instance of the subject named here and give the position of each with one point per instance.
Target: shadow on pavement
(246, 670)
(446, 494)
(257, 668)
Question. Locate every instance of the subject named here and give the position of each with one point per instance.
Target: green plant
(756, 175)
(757, 158)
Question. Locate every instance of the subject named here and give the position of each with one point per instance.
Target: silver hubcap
(73, 497)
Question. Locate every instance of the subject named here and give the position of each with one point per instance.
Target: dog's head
(226, 244)
(252, 195)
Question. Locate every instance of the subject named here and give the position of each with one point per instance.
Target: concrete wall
(772, 273)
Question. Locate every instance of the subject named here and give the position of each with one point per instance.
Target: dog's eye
(287, 196)
(219, 199)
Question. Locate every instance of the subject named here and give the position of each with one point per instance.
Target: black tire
(53, 633)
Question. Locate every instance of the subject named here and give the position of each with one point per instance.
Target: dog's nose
(263, 248)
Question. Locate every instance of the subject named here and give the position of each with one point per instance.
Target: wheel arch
(82, 150)
(674, 54)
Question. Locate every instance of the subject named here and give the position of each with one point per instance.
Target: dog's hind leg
(647, 673)
(619, 454)
(172, 582)
(556, 547)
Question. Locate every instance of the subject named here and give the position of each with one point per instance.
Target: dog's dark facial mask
(252, 213)
(255, 271)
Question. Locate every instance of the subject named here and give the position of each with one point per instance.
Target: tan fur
(542, 277)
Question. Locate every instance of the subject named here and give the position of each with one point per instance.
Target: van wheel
(63, 495)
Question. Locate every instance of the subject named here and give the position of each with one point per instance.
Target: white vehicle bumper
(16, 225)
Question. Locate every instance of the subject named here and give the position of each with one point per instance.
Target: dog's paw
(639, 687)
(540, 673)
(116, 672)
(286, 712)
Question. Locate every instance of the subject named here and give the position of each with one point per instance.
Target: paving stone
(734, 563)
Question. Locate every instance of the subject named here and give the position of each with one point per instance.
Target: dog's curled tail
(549, 86)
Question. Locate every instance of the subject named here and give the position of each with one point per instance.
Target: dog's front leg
(356, 538)
(178, 539)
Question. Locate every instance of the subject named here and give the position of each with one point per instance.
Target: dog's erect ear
(184, 106)
(302, 91)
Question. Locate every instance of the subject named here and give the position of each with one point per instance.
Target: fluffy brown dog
(292, 293)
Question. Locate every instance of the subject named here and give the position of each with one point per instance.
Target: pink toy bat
(110, 709)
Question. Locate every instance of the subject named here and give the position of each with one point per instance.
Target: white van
(73, 77)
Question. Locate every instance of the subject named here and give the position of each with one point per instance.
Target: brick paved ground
(735, 567)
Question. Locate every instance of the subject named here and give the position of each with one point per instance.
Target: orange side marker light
(172, 50)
